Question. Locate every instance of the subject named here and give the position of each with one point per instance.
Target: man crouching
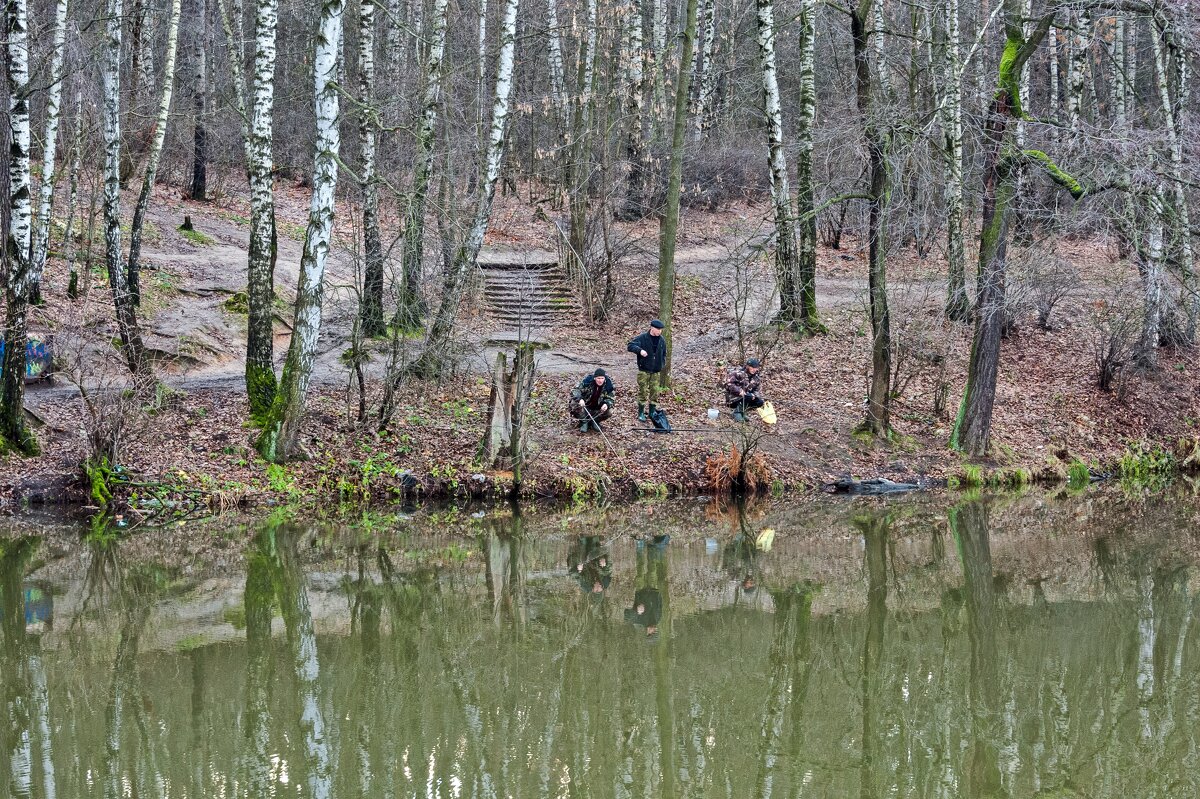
(742, 385)
(592, 400)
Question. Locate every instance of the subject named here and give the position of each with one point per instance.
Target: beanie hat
(599, 373)
(657, 324)
(753, 363)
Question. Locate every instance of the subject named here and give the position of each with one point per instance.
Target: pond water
(1037, 646)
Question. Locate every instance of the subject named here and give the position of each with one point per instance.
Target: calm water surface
(991, 648)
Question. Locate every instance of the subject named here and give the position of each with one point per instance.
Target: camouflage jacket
(593, 395)
(739, 382)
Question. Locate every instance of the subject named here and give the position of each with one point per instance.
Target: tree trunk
(199, 188)
(257, 133)
(14, 432)
(41, 233)
(281, 427)
(433, 359)
(69, 246)
(958, 304)
(634, 206)
(1077, 68)
(875, 139)
(972, 428)
(786, 265)
(123, 300)
(668, 226)
(410, 308)
(579, 163)
(372, 296)
(1182, 232)
(703, 71)
(1150, 264)
(806, 266)
(156, 146)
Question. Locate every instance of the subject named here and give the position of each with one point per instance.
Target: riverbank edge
(98, 488)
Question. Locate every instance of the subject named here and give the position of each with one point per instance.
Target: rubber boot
(583, 427)
(739, 414)
(641, 412)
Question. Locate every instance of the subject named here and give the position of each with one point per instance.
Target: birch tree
(1149, 253)
(1182, 227)
(156, 146)
(123, 299)
(281, 426)
(69, 246)
(1077, 69)
(668, 226)
(635, 142)
(1003, 160)
(410, 308)
(41, 234)
(806, 259)
(704, 71)
(958, 304)
(785, 234)
(257, 133)
(15, 434)
(432, 359)
(368, 121)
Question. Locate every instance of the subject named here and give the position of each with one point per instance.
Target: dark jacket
(587, 391)
(656, 352)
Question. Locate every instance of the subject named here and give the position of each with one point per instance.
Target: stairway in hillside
(526, 289)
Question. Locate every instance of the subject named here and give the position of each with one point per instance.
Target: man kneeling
(592, 400)
(742, 386)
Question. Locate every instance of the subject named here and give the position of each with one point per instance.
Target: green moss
(1056, 173)
(260, 390)
(99, 475)
(238, 302)
(196, 237)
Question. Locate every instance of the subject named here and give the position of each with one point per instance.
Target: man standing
(742, 385)
(592, 400)
(651, 353)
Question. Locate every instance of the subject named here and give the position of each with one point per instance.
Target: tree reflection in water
(870, 659)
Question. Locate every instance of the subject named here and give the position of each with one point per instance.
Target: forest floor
(1049, 408)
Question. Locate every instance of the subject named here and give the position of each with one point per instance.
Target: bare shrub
(921, 337)
(1039, 282)
(1116, 320)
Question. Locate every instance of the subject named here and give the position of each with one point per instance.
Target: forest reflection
(610, 664)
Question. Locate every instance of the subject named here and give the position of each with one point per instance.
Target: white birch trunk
(805, 186)
(958, 303)
(785, 233)
(41, 236)
(14, 433)
(635, 144)
(1182, 217)
(409, 309)
(1118, 85)
(432, 358)
(368, 120)
(1055, 89)
(704, 79)
(156, 146)
(885, 77)
(131, 337)
(41, 708)
(558, 81)
(308, 671)
(257, 133)
(283, 424)
(1077, 69)
(1150, 257)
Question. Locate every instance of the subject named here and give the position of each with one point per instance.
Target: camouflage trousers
(649, 384)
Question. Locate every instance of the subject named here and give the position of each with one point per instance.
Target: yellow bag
(767, 413)
(765, 539)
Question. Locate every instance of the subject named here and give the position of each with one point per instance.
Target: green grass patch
(196, 237)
